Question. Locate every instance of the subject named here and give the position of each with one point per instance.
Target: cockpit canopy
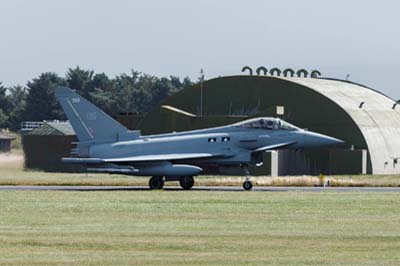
(267, 123)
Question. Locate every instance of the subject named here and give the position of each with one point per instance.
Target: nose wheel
(247, 185)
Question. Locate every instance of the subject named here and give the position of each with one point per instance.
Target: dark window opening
(212, 140)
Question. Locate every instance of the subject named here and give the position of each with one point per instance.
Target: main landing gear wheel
(156, 182)
(186, 182)
(247, 185)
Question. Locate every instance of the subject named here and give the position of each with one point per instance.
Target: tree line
(134, 93)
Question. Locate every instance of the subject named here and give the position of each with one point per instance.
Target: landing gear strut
(186, 182)
(156, 182)
(247, 184)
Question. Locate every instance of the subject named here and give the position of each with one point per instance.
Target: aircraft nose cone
(312, 139)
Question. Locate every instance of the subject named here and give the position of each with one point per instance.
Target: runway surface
(203, 188)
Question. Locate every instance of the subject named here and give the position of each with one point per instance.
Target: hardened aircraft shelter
(367, 120)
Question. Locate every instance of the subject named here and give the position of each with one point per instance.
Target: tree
(127, 92)
(134, 92)
(41, 103)
(141, 92)
(102, 94)
(80, 80)
(101, 81)
(161, 89)
(186, 83)
(17, 99)
(3, 119)
(4, 106)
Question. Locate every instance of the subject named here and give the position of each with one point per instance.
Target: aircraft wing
(161, 157)
(274, 146)
(142, 158)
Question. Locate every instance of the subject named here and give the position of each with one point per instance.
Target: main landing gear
(186, 182)
(157, 182)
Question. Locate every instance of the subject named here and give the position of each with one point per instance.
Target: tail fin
(89, 122)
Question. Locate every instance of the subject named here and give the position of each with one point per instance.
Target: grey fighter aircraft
(107, 146)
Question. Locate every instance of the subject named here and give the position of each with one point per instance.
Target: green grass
(10, 175)
(199, 228)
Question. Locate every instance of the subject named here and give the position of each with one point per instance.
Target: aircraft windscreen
(267, 123)
(258, 123)
(285, 125)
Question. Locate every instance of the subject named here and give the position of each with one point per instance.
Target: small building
(5, 142)
(46, 142)
(44, 147)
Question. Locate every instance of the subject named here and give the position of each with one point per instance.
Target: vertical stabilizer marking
(80, 119)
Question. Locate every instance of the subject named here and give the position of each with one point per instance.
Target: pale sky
(178, 37)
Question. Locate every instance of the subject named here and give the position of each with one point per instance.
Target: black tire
(156, 182)
(247, 185)
(186, 182)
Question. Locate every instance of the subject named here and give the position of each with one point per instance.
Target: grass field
(195, 228)
(199, 228)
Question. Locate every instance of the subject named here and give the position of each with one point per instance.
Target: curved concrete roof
(323, 105)
(378, 122)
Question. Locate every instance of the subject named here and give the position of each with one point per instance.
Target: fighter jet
(104, 145)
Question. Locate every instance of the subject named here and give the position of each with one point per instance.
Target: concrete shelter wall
(235, 98)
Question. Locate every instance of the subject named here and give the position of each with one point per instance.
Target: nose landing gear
(247, 184)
